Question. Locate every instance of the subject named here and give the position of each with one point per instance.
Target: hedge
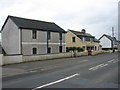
(74, 48)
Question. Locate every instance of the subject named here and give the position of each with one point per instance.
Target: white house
(108, 42)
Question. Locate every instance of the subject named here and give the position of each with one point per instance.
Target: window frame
(60, 49)
(60, 36)
(49, 50)
(73, 39)
(49, 35)
(34, 34)
(34, 52)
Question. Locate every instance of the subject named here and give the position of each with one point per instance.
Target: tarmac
(26, 67)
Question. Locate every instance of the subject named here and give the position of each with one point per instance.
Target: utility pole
(113, 37)
(112, 31)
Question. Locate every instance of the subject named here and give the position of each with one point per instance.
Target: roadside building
(108, 42)
(82, 39)
(28, 37)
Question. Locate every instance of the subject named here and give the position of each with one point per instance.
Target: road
(100, 71)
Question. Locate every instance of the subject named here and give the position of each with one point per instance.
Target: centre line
(57, 81)
(98, 66)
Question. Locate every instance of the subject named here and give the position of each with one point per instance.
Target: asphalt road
(100, 71)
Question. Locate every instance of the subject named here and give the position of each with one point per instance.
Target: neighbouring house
(108, 42)
(28, 37)
(82, 39)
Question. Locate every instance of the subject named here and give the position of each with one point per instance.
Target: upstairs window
(60, 35)
(87, 39)
(73, 39)
(49, 35)
(34, 34)
(34, 50)
(91, 39)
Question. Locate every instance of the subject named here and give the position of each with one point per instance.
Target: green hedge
(74, 48)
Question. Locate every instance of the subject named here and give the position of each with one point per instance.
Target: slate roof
(81, 34)
(35, 24)
(109, 37)
(77, 33)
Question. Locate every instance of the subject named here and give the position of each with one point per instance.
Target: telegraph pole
(113, 37)
(112, 31)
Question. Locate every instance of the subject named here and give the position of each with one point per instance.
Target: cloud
(97, 16)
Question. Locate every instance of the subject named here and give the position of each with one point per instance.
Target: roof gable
(35, 24)
(81, 34)
(109, 37)
(77, 33)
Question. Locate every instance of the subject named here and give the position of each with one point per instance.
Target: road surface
(100, 71)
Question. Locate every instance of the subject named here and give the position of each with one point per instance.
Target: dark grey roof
(81, 34)
(35, 24)
(77, 33)
(109, 37)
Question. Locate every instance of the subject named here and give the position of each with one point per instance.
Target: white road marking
(98, 66)
(95, 66)
(104, 64)
(85, 60)
(111, 61)
(58, 81)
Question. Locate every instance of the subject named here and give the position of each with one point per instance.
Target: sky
(96, 16)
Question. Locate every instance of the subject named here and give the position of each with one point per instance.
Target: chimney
(83, 31)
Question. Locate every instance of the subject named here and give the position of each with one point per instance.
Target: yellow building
(82, 39)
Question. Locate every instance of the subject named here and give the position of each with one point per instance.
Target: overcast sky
(96, 16)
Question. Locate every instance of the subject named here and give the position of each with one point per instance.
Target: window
(49, 50)
(95, 48)
(60, 49)
(60, 35)
(34, 34)
(87, 39)
(49, 35)
(34, 50)
(91, 39)
(73, 39)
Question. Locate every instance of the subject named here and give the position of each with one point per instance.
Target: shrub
(74, 48)
(80, 49)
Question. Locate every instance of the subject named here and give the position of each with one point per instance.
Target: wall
(41, 42)
(69, 42)
(81, 54)
(97, 52)
(105, 42)
(1, 59)
(26, 58)
(28, 43)
(27, 36)
(54, 42)
(0, 49)
(45, 57)
(12, 59)
(11, 38)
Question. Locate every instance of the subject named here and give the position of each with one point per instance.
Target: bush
(80, 49)
(74, 48)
